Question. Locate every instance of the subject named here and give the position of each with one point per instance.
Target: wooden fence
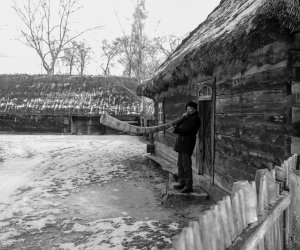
(254, 216)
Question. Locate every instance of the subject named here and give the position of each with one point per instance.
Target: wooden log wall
(34, 124)
(253, 115)
(68, 95)
(295, 62)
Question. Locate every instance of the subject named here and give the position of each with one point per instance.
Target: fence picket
(279, 236)
(250, 203)
(197, 236)
(204, 230)
(189, 238)
(212, 230)
(236, 215)
(224, 223)
(262, 195)
(261, 245)
(218, 227)
(242, 208)
(230, 222)
(179, 242)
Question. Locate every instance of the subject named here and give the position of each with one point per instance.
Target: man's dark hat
(191, 104)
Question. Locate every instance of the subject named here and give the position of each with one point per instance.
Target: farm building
(65, 104)
(242, 67)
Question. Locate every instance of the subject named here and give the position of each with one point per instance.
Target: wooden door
(205, 138)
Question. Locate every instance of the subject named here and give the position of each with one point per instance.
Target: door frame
(207, 92)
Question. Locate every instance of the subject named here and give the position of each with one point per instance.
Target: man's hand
(171, 128)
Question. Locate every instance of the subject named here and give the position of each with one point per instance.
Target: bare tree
(46, 30)
(133, 45)
(110, 51)
(83, 54)
(69, 57)
(167, 44)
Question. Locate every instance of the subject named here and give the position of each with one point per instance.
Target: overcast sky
(177, 17)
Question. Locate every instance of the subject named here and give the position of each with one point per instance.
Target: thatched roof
(68, 95)
(230, 32)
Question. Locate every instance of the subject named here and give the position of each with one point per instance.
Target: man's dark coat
(187, 130)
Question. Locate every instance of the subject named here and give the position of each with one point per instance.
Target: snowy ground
(80, 192)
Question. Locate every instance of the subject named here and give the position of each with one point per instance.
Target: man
(184, 145)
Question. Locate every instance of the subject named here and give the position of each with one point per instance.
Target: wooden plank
(271, 79)
(196, 234)
(241, 199)
(213, 232)
(224, 222)
(189, 238)
(238, 185)
(244, 149)
(270, 234)
(253, 102)
(205, 230)
(230, 220)
(262, 195)
(254, 234)
(238, 228)
(218, 227)
(280, 174)
(261, 245)
(262, 127)
(225, 106)
(279, 236)
(251, 203)
(286, 225)
(179, 242)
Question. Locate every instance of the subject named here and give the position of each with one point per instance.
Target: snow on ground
(40, 174)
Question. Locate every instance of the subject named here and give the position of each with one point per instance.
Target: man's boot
(186, 189)
(179, 186)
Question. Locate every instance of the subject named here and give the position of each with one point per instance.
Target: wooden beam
(251, 238)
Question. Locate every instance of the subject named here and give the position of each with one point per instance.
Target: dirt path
(84, 192)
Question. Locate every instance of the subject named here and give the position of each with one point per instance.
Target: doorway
(205, 138)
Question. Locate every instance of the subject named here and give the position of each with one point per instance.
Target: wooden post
(179, 242)
(205, 230)
(224, 221)
(196, 234)
(230, 221)
(217, 229)
(286, 224)
(250, 199)
(241, 199)
(236, 215)
(189, 238)
(262, 195)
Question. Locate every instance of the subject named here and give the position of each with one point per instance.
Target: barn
(64, 103)
(242, 67)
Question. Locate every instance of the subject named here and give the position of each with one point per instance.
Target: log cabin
(242, 67)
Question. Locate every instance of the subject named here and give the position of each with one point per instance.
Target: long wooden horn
(112, 122)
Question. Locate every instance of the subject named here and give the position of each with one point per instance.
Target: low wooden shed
(242, 67)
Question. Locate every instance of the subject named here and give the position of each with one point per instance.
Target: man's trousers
(185, 173)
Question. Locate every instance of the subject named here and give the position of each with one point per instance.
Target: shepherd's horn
(112, 122)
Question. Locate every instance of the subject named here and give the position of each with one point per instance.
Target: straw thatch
(230, 32)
